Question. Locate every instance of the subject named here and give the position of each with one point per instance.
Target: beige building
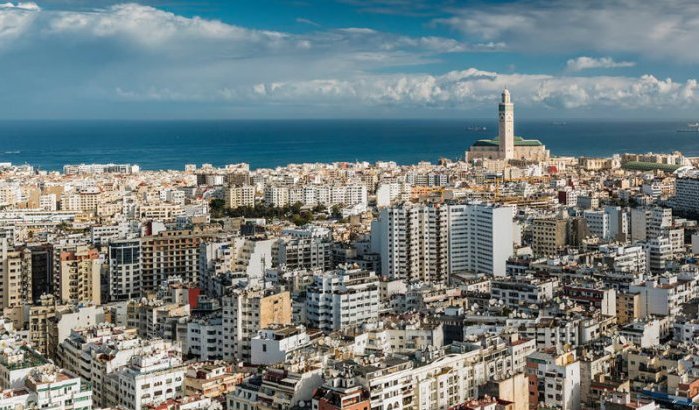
(169, 253)
(628, 307)
(36, 320)
(211, 379)
(15, 276)
(245, 312)
(239, 195)
(548, 236)
(79, 277)
(161, 211)
(514, 389)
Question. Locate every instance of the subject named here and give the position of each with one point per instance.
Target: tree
(336, 212)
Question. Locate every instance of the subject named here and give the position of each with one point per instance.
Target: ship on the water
(691, 127)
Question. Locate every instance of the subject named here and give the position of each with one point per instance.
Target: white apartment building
(315, 194)
(95, 353)
(205, 338)
(303, 253)
(598, 223)
(628, 259)
(272, 346)
(427, 242)
(446, 378)
(687, 194)
(412, 241)
(664, 295)
(52, 388)
(48, 202)
(644, 333)
(658, 254)
(618, 222)
(686, 330)
(557, 378)
(481, 238)
(523, 292)
(16, 362)
(148, 379)
(342, 298)
(276, 195)
(389, 192)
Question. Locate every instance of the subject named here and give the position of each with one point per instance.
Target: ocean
(154, 145)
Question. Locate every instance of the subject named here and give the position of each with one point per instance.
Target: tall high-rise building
(481, 238)
(687, 194)
(42, 271)
(412, 241)
(427, 242)
(15, 275)
(124, 269)
(80, 276)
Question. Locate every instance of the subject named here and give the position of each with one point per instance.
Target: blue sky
(160, 59)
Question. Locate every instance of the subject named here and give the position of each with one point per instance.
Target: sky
(239, 59)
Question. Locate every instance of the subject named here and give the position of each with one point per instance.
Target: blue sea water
(171, 144)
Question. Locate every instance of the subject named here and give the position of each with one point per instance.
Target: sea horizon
(169, 144)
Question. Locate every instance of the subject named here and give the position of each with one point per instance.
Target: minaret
(506, 130)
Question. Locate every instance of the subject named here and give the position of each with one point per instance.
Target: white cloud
(653, 29)
(310, 22)
(473, 88)
(15, 19)
(587, 63)
(20, 6)
(128, 55)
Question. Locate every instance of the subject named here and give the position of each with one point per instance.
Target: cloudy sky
(70, 59)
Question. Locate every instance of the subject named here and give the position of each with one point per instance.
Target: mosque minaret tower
(506, 129)
(506, 147)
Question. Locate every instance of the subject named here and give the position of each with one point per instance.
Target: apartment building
(169, 253)
(481, 238)
(79, 276)
(15, 275)
(148, 379)
(554, 380)
(124, 269)
(522, 292)
(274, 345)
(245, 312)
(659, 254)
(412, 242)
(549, 236)
(687, 194)
(53, 388)
(96, 353)
(664, 295)
(239, 195)
(310, 253)
(598, 223)
(342, 298)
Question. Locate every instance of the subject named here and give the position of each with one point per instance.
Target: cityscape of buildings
(513, 279)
